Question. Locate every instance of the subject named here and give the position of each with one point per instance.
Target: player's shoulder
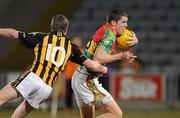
(38, 33)
(68, 40)
(101, 29)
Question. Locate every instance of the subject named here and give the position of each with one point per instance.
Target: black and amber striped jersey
(52, 51)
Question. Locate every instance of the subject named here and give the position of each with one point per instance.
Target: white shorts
(32, 88)
(88, 91)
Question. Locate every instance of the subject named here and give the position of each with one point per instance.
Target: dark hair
(115, 14)
(59, 23)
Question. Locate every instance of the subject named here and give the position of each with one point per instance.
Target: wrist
(120, 55)
(105, 69)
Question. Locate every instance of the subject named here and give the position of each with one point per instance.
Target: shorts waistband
(83, 71)
(89, 76)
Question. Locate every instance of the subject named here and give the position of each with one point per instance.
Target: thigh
(81, 91)
(8, 93)
(40, 95)
(32, 88)
(22, 110)
(24, 84)
(89, 91)
(112, 107)
(40, 92)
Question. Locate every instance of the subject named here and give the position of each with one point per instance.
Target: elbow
(98, 58)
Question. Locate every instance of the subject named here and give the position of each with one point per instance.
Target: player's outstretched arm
(9, 33)
(95, 66)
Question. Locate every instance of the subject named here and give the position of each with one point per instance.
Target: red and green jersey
(104, 38)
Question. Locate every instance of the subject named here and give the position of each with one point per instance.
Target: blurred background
(151, 82)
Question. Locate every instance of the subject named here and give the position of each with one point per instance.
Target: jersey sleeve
(77, 56)
(30, 40)
(107, 41)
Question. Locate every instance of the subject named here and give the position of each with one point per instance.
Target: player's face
(121, 25)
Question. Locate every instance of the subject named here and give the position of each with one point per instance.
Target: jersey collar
(108, 25)
(60, 34)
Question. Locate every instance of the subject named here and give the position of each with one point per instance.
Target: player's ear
(113, 23)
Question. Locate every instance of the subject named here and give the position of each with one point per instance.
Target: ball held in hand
(123, 39)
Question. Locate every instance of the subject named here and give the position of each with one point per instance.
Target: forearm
(104, 57)
(95, 66)
(108, 58)
(99, 68)
(9, 33)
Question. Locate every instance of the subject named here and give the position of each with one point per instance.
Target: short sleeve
(30, 40)
(108, 40)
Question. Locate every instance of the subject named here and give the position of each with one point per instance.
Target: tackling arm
(9, 33)
(79, 58)
(95, 66)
